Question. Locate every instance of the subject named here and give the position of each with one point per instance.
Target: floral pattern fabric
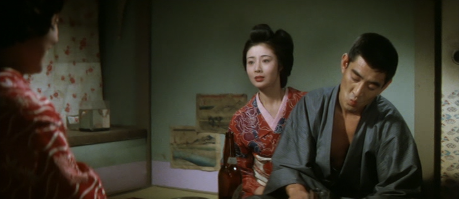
(72, 72)
(35, 158)
(256, 141)
(450, 145)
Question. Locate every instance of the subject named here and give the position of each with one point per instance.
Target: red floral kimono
(256, 136)
(35, 158)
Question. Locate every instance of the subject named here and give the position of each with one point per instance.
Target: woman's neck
(272, 100)
(272, 96)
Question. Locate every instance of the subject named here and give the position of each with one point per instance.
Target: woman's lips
(259, 78)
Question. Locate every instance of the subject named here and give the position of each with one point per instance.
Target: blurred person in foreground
(35, 157)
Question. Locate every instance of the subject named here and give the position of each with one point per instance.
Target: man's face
(360, 84)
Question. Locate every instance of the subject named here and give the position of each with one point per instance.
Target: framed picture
(194, 150)
(214, 112)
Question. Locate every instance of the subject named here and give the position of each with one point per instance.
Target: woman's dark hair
(280, 42)
(24, 19)
(377, 51)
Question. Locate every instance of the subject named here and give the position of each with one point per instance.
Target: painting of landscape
(194, 150)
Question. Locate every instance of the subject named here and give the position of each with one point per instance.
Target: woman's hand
(259, 190)
(297, 191)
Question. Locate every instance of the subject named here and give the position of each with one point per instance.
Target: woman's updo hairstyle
(281, 44)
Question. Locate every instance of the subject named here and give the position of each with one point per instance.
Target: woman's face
(37, 48)
(262, 67)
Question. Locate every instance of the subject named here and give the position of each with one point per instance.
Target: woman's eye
(266, 61)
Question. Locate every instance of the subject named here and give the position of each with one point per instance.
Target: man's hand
(259, 190)
(296, 191)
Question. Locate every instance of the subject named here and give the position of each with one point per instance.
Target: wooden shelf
(116, 133)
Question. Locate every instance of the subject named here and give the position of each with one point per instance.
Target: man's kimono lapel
(353, 160)
(323, 135)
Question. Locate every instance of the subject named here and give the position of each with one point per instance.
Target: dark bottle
(229, 176)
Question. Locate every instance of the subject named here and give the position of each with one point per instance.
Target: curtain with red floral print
(72, 71)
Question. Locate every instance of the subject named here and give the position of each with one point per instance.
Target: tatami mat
(156, 192)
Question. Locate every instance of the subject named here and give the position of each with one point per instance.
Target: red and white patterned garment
(35, 158)
(256, 136)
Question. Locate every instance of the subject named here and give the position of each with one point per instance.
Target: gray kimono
(382, 160)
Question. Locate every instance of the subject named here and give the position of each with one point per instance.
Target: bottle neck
(229, 153)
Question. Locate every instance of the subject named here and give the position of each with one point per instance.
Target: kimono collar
(11, 70)
(273, 121)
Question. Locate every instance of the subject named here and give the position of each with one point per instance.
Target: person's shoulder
(9, 80)
(386, 107)
(12, 83)
(314, 92)
(296, 91)
(388, 115)
(295, 94)
(322, 93)
(16, 96)
(13, 92)
(324, 90)
(246, 107)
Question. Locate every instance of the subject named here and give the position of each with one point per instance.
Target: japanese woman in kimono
(35, 157)
(268, 60)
